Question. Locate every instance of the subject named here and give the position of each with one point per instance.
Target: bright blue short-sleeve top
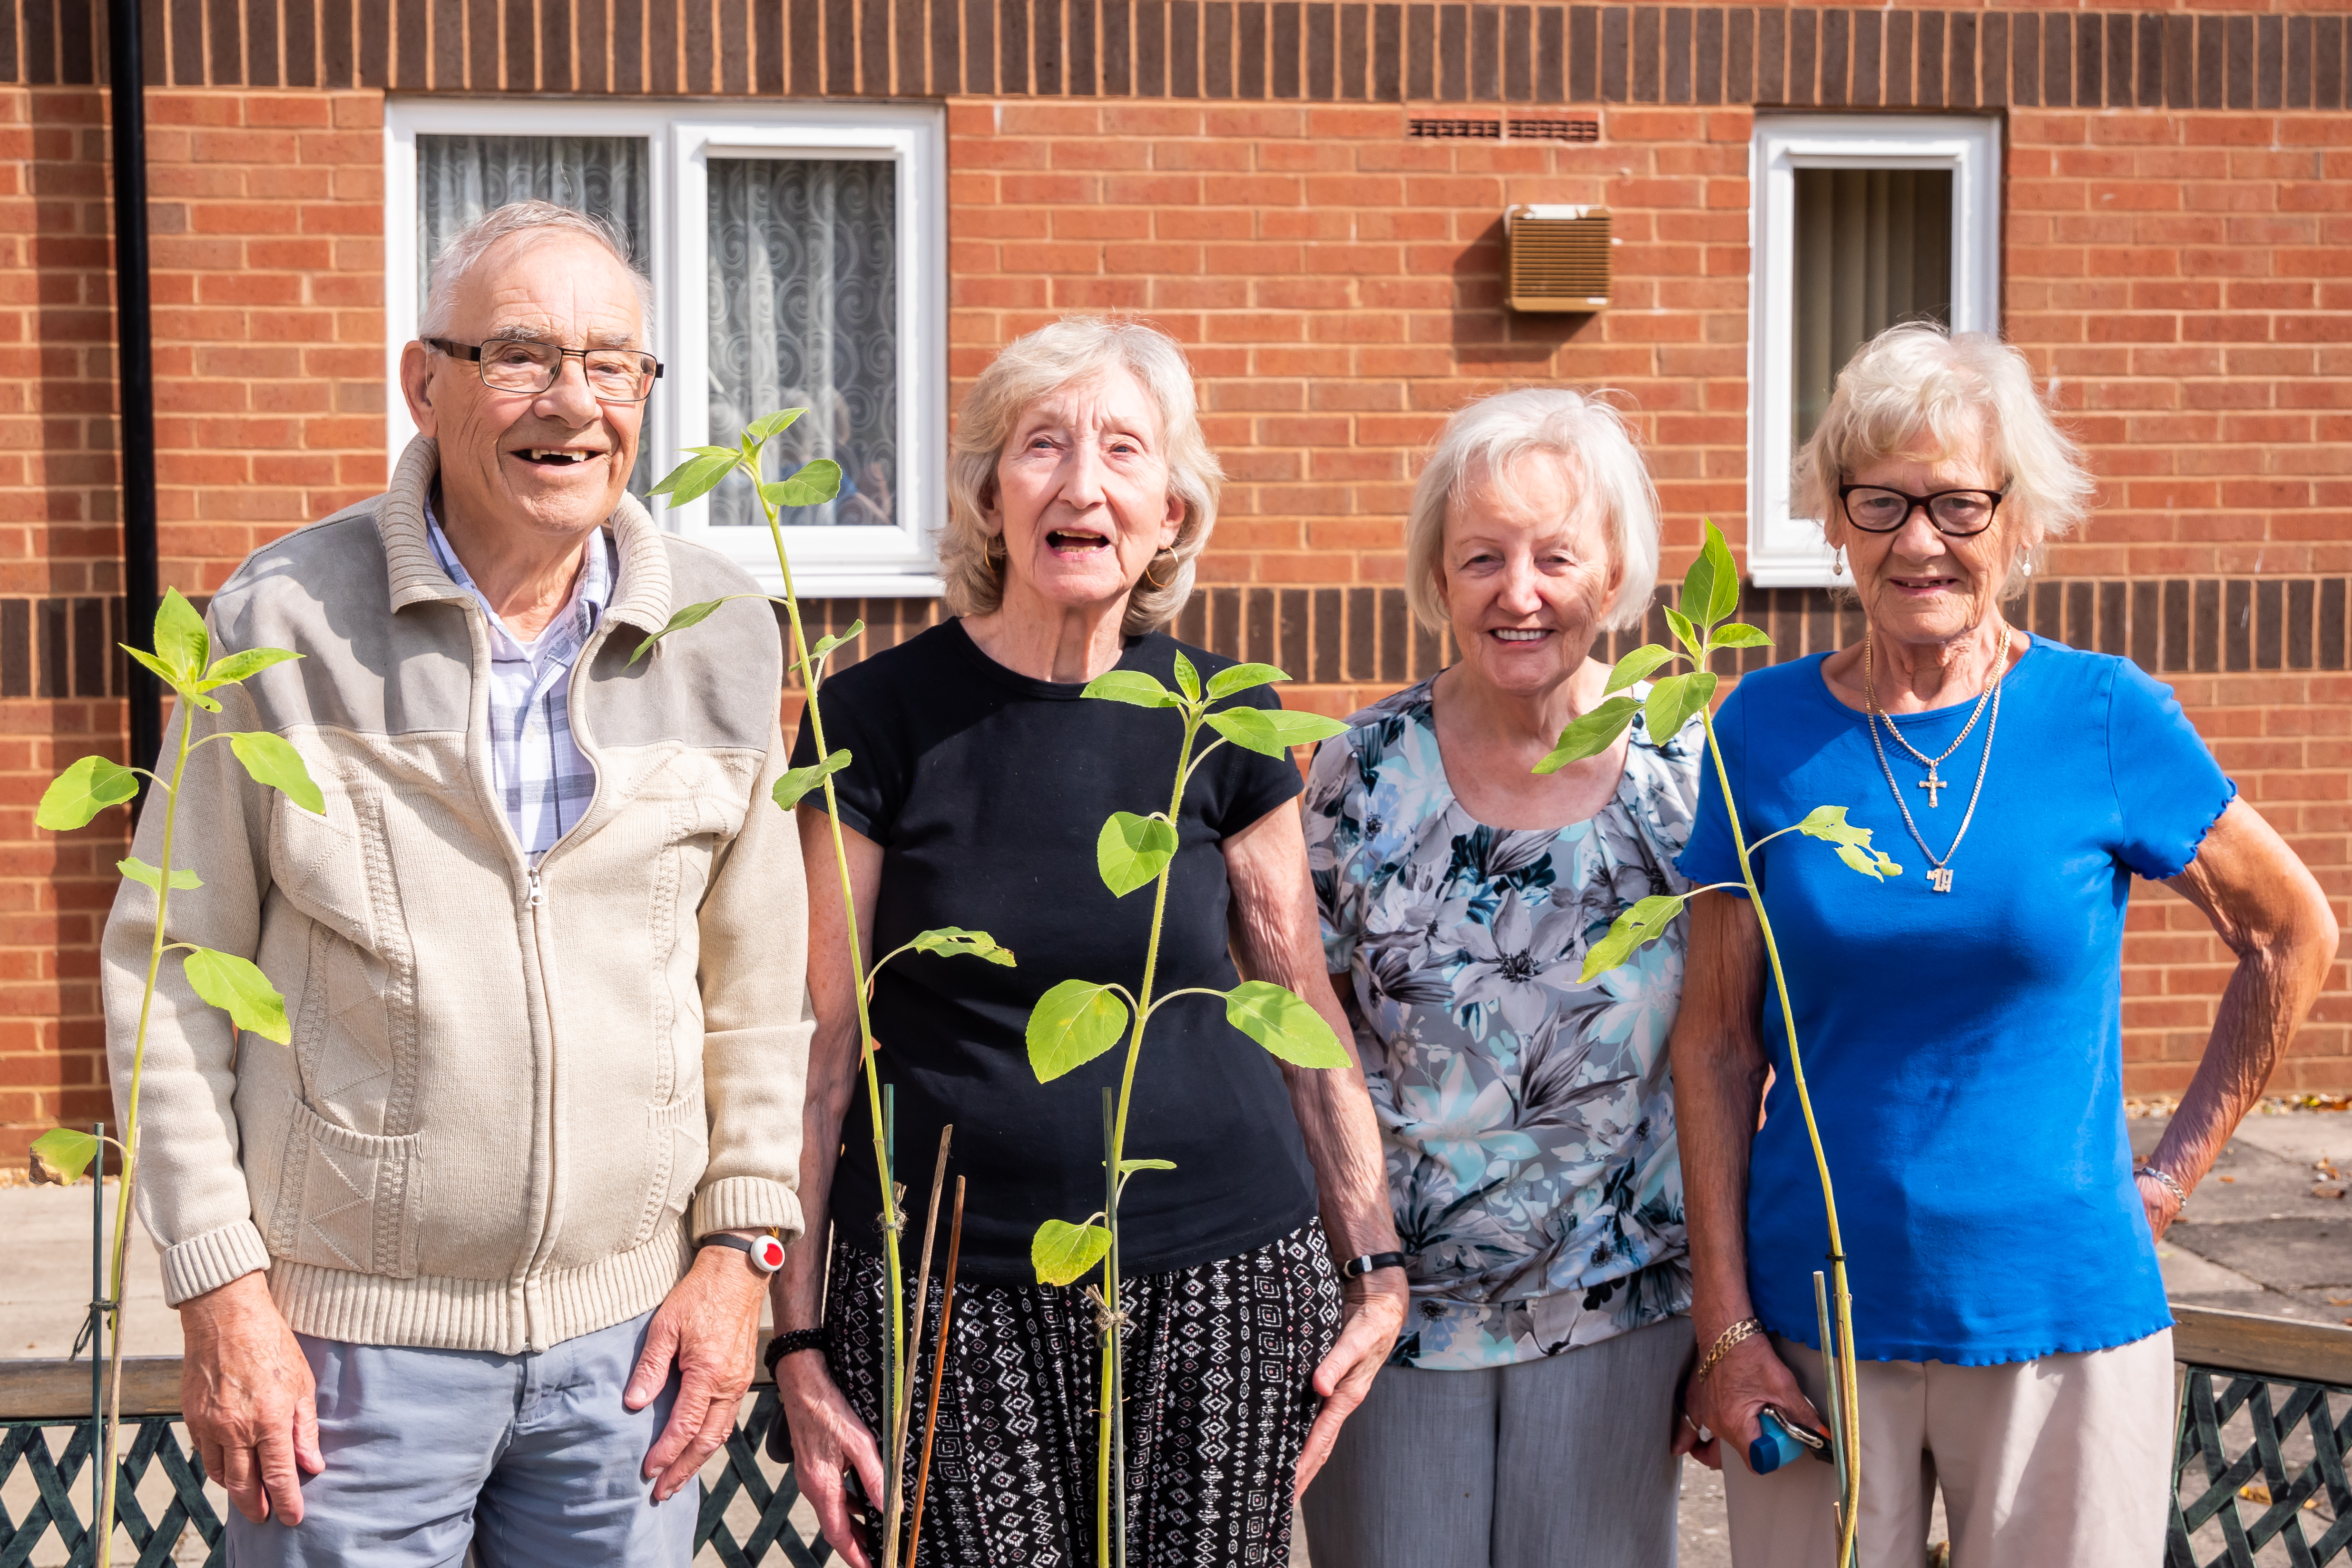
(1963, 1048)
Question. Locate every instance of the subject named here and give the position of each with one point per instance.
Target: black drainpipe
(135, 426)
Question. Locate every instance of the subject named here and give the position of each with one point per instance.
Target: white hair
(1916, 390)
(470, 244)
(1502, 431)
(1074, 351)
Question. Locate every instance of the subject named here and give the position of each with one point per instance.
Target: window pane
(1874, 247)
(459, 178)
(804, 314)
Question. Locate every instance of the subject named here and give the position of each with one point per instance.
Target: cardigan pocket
(346, 1200)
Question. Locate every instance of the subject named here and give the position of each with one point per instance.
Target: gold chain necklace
(1932, 783)
(1939, 877)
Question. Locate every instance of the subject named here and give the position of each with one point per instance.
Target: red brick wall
(2180, 275)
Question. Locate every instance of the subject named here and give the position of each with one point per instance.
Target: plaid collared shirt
(541, 774)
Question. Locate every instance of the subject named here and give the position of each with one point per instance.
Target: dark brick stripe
(1366, 637)
(1331, 50)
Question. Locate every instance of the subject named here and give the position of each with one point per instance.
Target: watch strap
(1357, 1267)
(766, 1252)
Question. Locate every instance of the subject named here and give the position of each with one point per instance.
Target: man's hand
(248, 1398)
(1729, 1401)
(1369, 1323)
(711, 1326)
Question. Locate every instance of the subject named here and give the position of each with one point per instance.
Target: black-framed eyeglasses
(1955, 514)
(525, 364)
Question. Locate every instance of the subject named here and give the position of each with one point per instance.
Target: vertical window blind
(1874, 247)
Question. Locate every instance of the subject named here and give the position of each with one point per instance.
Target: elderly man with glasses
(479, 1258)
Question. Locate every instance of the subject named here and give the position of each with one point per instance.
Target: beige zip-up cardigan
(512, 1096)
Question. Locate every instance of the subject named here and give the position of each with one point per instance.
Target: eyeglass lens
(515, 365)
(1952, 511)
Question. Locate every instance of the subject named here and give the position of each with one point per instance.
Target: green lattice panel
(2274, 1421)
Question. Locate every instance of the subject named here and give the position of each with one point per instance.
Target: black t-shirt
(986, 790)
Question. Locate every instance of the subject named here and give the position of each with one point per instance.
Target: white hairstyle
(1502, 431)
(470, 244)
(1916, 390)
(1074, 351)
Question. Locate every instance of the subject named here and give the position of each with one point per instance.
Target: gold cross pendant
(1934, 785)
(1940, 878)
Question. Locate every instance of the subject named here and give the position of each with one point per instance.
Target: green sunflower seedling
(812, 484)
(183, 660)
(1702, 627)
(1079, 1020)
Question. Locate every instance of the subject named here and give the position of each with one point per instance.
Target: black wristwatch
(1357, 1267)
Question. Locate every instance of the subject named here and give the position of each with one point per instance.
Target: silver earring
(1837, 562)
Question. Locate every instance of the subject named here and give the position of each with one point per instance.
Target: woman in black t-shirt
(1080, 493)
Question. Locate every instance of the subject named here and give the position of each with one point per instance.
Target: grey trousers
(1561, 1463)
(531, 1458)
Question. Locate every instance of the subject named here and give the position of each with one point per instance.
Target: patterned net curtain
(803, 313)
(459, 178)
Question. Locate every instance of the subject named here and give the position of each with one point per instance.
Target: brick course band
(1234, 49)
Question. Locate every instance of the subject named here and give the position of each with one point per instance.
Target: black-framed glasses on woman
(526, 365)
(1955, 514)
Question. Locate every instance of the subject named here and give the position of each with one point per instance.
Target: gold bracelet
(1723, 1342)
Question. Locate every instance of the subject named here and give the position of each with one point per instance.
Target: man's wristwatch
(1357, 1267)
(766, 1252)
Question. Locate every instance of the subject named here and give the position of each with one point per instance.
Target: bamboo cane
(939, 1374)
(896, 1510)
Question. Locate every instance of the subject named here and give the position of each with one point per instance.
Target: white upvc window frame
(1785, 551)
(828, 562)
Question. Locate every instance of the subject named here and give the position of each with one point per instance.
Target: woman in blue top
(1961, 1022)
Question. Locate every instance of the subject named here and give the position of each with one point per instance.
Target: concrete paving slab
(45, 1290)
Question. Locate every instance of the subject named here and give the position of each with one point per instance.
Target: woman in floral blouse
(1528, 1415)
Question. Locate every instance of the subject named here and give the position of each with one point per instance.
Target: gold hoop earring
(1147, 577)
(996, 559)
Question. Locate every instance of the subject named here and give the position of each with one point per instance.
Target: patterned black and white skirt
(1220, 1364)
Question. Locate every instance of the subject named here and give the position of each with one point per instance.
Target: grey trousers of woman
(1566, 1462)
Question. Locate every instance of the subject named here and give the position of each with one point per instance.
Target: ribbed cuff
(209, 1261)
(748, 1203)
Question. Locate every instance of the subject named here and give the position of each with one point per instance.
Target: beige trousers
(2064, 1462)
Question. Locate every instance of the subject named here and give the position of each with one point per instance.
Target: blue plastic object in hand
(1776, 1448)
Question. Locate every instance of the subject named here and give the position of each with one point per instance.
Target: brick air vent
(1449, 129)
(1557, 258)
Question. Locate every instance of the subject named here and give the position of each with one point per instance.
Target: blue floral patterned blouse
(1527, 1119)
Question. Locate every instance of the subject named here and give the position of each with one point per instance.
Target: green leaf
(1285, 1026)
(1725, 597)
(954, 942)
(237, 987)
(1674, 700)
(1188, 680)
(1636, 666)
(1128, 1167)
(138, 870)
(1073, 1024)
(181, 641)
(192, 690)
(273, 761)
(1274, 730)
(1134, 687)
(697, 477)
(692, 615)
(815, 484)
(61, 1155)
(1683, 628)
(1131, 851)
(81, 792)
(1828, 824)
(768, 425)
(1646, 921)
(797, 783)
(831, 640)
(244, 666)
(1063, 1253)
(1589, 735)
(1241, 677)
(1739, 634)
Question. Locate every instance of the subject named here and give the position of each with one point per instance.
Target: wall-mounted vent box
(1557, 258)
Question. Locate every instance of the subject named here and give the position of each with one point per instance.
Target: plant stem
(104, 1523)
(891, 1218)
(1839, 1358)
(1109, 1467)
